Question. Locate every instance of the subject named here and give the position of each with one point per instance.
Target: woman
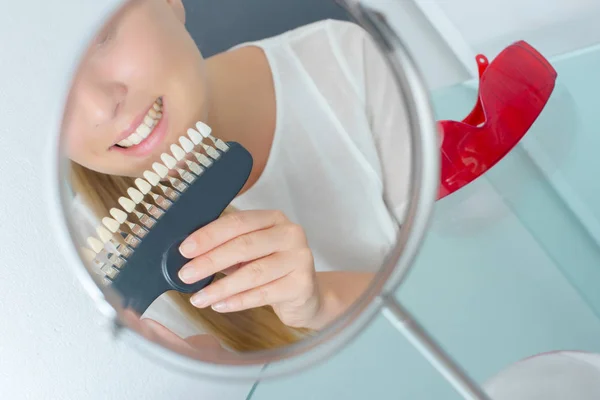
(318, 110)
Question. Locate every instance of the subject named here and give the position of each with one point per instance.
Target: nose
(102, 99)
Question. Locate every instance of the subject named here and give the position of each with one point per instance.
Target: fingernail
(200, 299)
(220, 306)
(186, 249)
(188, 274)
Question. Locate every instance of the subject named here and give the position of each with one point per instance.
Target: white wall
(51, 343)
(554, 26)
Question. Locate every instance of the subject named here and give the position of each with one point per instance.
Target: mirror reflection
(239, 201)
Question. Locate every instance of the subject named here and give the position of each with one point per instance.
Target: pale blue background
(508, 269)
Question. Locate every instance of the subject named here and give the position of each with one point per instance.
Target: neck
(241, 104)
(230, 108)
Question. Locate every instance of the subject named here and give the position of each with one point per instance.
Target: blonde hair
(249, 330)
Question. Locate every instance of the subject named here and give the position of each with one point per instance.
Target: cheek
(78, 142)
(77, 147)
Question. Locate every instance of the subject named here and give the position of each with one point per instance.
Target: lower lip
(149, 144)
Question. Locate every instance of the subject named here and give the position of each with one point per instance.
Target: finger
(232, 269)
(278, 291)
(255, 274)
(244, 248)
(228, 227)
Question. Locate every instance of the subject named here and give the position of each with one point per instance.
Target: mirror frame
(306, 353)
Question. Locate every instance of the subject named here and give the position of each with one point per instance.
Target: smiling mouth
(146, 127)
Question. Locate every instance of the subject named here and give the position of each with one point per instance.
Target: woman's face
(140, 86)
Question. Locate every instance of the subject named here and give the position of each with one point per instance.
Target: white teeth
(177, 152)
(118, 215)
(135, 138)
(169, 161)
(135, 195)
(111, 224)
(125, 143)
(152, 178)
(204, 129)
(95, 244)
(143, 131)
(144, 186)
(127, 204)
(103, 233)
(186, 143)
(160, 169)
(195, 136)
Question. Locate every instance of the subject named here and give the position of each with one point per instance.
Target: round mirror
(242, 193)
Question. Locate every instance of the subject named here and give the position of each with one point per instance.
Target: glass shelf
(510, 267)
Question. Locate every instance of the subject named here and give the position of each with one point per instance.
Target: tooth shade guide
(153, 210)
(178, 152)
(124, 250)
(194, 136)
(145, 220)
(186, 144)
(177, 184)
(206, 132)
(137, 230)
(95, 244)
(194, 167)
(143, 186)
(211, 151)
(203, 159)
(127, 204)
(104, 234)
(160, 170)
(118, 215)
(170, 193)
(161, 201)
(152, 178)
(221, 145)
(117, 261)
(111, 224)
(106, 237)
(110, 271)
(185, 175)
(135, 195)
(130, 240)
(168, 160)
(89, 257)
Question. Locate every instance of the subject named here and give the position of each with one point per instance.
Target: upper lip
(134, 125)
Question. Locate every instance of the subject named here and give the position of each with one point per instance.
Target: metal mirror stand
(422, 121)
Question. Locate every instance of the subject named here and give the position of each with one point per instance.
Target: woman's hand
(267, 262)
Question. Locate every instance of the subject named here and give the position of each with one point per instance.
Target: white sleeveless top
(340, 153)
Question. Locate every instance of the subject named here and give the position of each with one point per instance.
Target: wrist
(337, 291)
(330, 307)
